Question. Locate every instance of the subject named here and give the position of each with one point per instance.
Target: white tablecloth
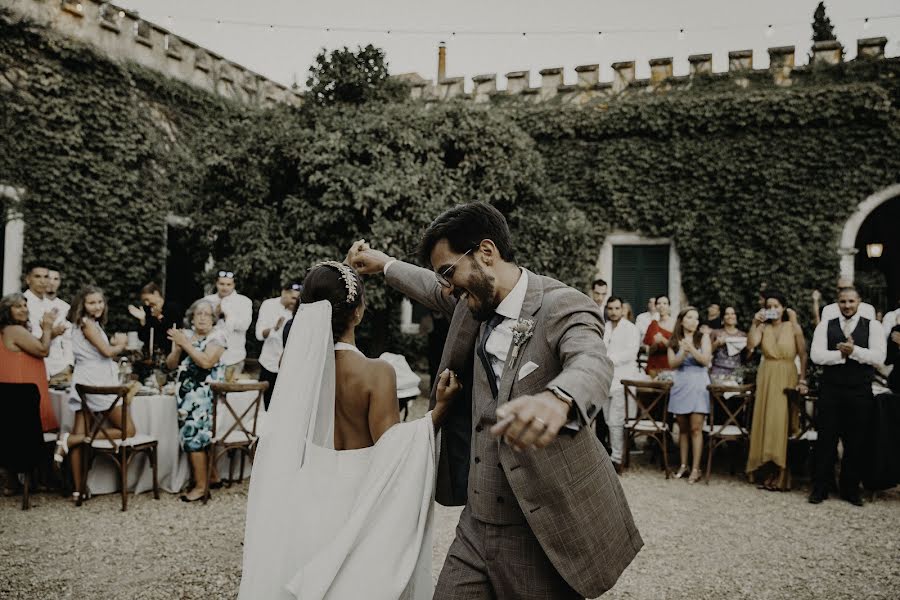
(156, 416)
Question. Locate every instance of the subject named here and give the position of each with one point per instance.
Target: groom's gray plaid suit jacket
(569, 492)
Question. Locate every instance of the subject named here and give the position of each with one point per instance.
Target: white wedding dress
(328, 524)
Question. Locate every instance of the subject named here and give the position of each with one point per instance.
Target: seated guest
(60, 360)
(848, 347)
(728, 345)
(657, 338)
(273, 314)
(156, 314)
(690, 353)
(893, 358)
(713, 316)
(233, 312)
(776, 331)
(203, 346)
(94, 365)
(22, 355)
(621, 338)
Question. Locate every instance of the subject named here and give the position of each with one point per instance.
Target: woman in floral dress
(202, 347)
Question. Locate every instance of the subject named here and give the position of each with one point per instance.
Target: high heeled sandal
(696, 475)
(682, 471)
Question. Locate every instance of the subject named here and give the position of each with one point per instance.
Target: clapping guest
(202, 347)
(60, 360)
(657, 338)
(728, 354)
(690, 353)
(94, 365)
(233, 312)
(155, 314)
(776, 331)
(622, 343)
(273, 314)
(22, 355)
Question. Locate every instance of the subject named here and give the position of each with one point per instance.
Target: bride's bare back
(365, 400)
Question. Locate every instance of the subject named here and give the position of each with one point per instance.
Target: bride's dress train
(333, 524)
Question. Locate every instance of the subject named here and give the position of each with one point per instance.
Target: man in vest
(847, 347)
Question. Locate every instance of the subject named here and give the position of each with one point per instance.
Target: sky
(280, 38)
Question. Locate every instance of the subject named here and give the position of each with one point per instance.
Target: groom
(545, 516)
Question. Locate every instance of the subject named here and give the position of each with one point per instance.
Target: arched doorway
(870, 253)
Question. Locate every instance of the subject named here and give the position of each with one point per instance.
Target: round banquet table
(155, 415)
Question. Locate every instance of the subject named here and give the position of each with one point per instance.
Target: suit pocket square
(526, 370)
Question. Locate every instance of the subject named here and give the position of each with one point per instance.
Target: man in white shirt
(889, 321)
(622, 345)
(833, 311)
(600, 295)
(643, 320)
(60, 360)
(273, 314)
(235, 313)
(36, 275)
(848, 347)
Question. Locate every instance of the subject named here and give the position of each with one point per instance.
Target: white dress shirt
(237, 311)
(269, 312)
(643, 320)
(833, 311)
(889, 321)
(37, 306)
(873, 355)
(61, 355)
(622, 345)
(498, 343)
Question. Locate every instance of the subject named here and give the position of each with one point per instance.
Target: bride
(341, 495)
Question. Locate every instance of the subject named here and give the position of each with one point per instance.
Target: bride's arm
(447, 388)
(384, 409)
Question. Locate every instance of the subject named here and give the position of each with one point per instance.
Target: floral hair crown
(347, 274)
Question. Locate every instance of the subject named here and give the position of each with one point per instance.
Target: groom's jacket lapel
(534, 297)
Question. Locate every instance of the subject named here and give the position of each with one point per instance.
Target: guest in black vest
(848, 348)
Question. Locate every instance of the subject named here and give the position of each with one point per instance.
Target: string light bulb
(681, 34)
(866, 23)
(770, 31)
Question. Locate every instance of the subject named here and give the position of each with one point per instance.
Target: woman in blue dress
(690, 353)
(201, 347)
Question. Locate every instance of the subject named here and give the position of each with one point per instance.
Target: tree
(348, 77)
(823, 30)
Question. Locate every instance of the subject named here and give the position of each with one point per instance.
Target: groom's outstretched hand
(365, 260)
(531, 421)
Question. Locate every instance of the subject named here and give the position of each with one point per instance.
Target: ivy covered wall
(752, 185)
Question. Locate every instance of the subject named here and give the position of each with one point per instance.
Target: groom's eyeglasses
(443, 277)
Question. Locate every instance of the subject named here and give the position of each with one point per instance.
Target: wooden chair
(21, 437)
(734, 403)
(652, 401)
(122, 449)
(241, 436)
(806, 407)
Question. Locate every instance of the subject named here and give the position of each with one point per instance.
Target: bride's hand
(448, 387)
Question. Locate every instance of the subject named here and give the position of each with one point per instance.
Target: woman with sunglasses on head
(234, 313)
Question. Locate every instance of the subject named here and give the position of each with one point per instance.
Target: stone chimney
(870, 48)
(701, 64)
(442, 61)
(624, 75)
(551, 79)
(485, 85)
(827, 53)
(450, 87)
(588, 75)
(740, 60)
(781, 63)
(660, 70)
(516, 82)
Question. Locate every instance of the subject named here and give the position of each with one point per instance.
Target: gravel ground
(727, 539)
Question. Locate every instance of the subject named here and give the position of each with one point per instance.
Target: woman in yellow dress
(776, 331)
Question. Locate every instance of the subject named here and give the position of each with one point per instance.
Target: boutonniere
(522, 332)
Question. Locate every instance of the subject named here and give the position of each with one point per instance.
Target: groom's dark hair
(464, 227)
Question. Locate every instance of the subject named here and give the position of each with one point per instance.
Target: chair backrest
(244, 420)
(96, 421)
(651, 398)
(730, 405)
(21, 436)
(807, 409)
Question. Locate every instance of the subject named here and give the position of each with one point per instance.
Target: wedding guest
(890, 319)
(600, 294)
(203, 346)
(777, 333)
(155, 314)
(690, 353)
(628, 312)
(848, 347)
(657, 338)
(94, 365)
(833, 311)
(60, 360)
(713, 316)
(644, 319)
(728, 345)
(22, 356)
(622, 344)
(893, 358)
(273, 314)
(234, 313)
(36, 275)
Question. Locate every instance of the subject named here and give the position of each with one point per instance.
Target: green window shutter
(640, 272)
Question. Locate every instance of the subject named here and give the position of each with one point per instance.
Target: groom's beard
(481, 295)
